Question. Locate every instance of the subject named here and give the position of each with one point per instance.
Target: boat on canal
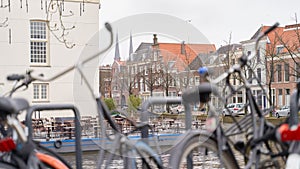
(94, 144)
(59, 134)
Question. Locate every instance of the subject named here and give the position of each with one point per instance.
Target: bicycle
(18, 148)
(289, 132)
(127, 151)
(17, 151)
(123, 148)
(216, 142)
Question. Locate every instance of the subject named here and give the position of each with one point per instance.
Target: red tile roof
(172, 51)
(283, 35)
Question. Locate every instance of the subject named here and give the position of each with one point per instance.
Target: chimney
(182, 48)
(292, 27)
(154, 39)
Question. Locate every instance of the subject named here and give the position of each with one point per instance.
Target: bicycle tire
(273, 159)
(202, 147)
(45, 150)
(146, 157)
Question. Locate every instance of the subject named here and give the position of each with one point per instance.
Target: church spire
(130, 47)
(117, 50)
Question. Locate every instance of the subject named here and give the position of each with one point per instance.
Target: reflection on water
(89, 159)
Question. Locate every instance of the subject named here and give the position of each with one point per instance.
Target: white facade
(258, 64)
(16, 52)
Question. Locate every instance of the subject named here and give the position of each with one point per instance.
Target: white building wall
(250, 46)
(15, 56)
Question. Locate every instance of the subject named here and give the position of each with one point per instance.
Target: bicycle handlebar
(199, 93)
(15, 77)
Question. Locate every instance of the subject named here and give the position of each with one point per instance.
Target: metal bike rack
(153, 101)
(28, 123)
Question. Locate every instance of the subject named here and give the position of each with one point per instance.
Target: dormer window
(279, 49)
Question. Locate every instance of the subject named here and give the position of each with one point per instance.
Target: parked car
(283, 111)
(177, 109)
(158, 110)
(235, 109)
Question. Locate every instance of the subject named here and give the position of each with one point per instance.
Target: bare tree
(284, 48)
(56, 25)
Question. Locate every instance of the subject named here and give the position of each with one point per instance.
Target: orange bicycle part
(51, 161)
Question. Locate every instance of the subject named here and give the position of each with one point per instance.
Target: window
(272, 73)
(297, 71)
(259, 97)
(185, 80)
(279, 49)
(273, 96)
(197, 80)
(141, 69)
(40, 92)
(39, 54)
(171, 65)
(259, 74)
(287, 96)
(279, 77)
(146, 70)
(258, 56)
(232, 61)
(233, 100)
(142, 85)
(240, 96)
(250, 76)
(172, 82)
(248, 53)
(191, 81)
(286, 72)
(280, 97)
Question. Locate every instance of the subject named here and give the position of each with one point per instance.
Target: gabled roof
(173, 51)
(143, 46)
(191, 50)
(284, 36)
(226, 48)
(277, 37)
(291, 37)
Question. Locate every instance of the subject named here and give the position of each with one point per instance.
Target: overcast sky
(216, 19)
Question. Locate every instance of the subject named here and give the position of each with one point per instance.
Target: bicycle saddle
(12, 105)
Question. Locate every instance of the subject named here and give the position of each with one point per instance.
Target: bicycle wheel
(47, 151)
(143, 156)
(5, 165)
(272, 154)
(200, 151)
(50, 161)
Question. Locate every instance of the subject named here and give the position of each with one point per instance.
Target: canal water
(89, 159)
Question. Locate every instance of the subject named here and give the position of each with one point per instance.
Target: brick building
(156, 69)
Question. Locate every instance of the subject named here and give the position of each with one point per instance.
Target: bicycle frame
(102, 109)
(29, 78)
(28, 123)
(256, 112)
